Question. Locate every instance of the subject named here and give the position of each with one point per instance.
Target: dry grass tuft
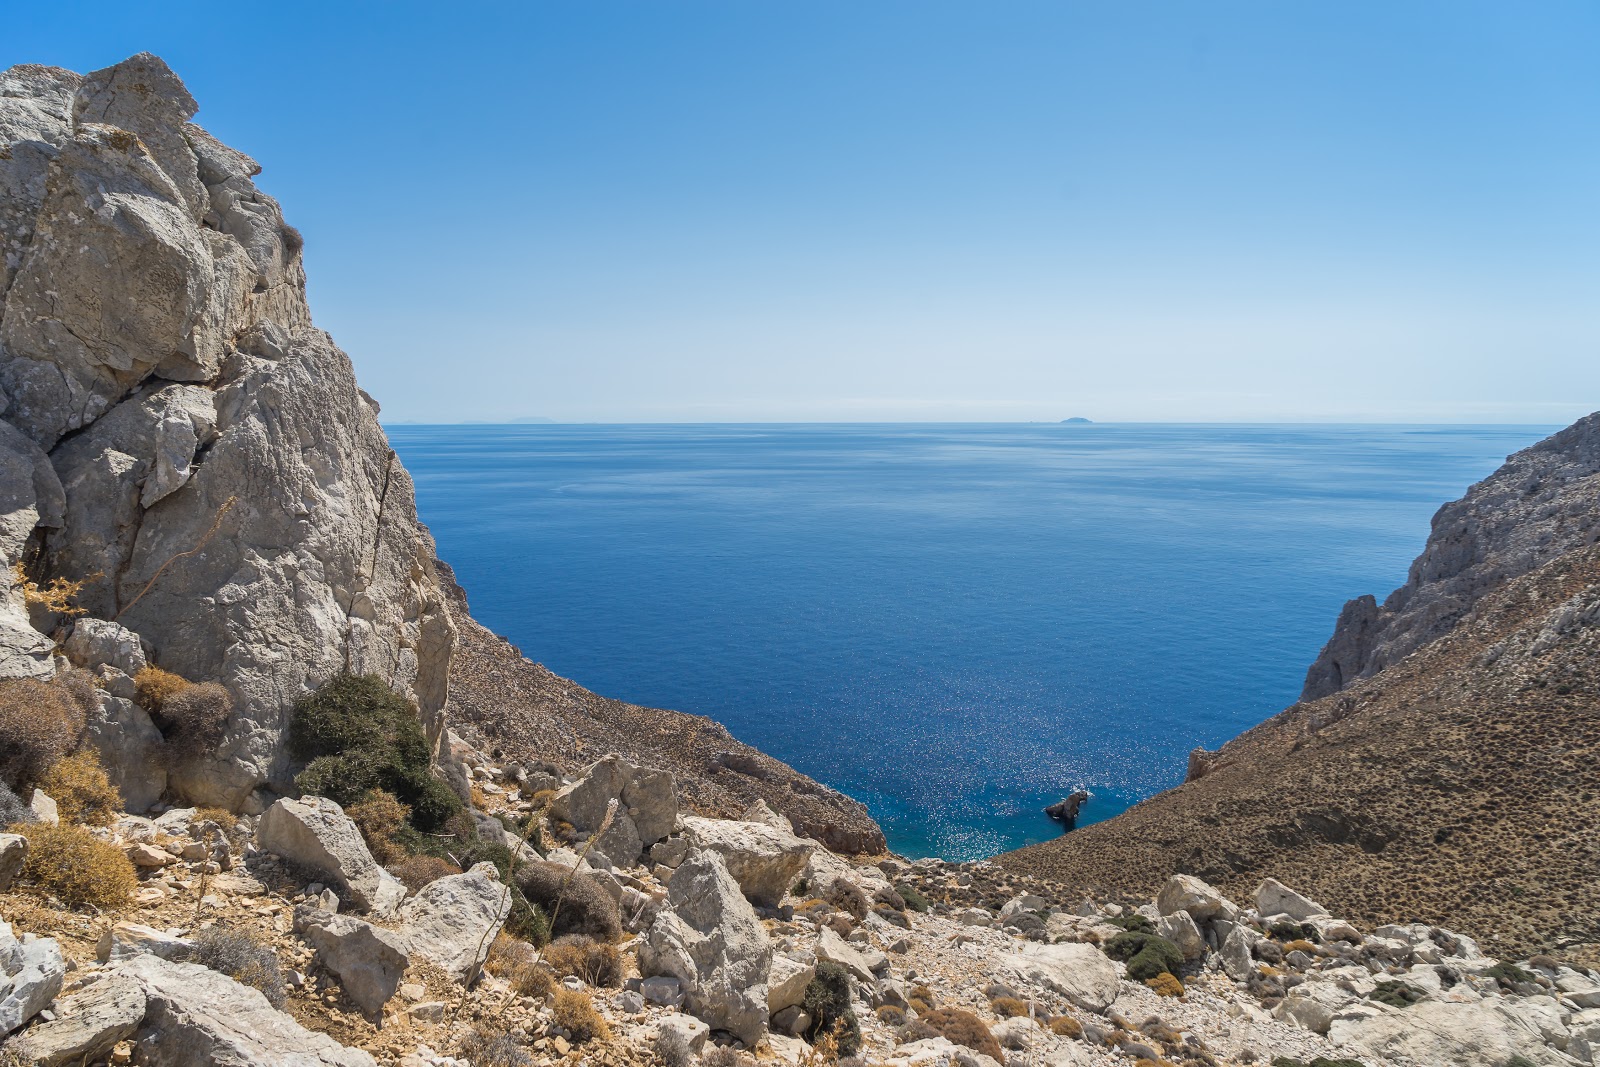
(41, 722)
(593, 962)
(153, 687)
(380, 816)
(1166, 984)
(574, 1012)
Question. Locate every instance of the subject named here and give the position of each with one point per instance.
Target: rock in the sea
(1275, 898)
(764, 860)
(315, 833)
(646, 807)
(86, 1025)
(1081, 973)
(711, 941)
(31, 970)
(196, 1015)
(13, 853)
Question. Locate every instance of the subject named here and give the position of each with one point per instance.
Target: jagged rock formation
(501, 701)
(1452, 779)
(1537, 507)
(177, 435)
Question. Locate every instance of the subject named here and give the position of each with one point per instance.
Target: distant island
(1077, 420)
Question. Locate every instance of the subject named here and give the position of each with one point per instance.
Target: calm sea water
(955, 624)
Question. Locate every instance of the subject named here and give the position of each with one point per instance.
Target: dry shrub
(672, 1048)
(78, 868)
(242, 957)
(1009, 1007)
(574, 1012)
(13, 811)
(506, 954)
(418, 871)
(533, 980)
(41, 722)
(153, 687)
(56, 595)
(1165, 984)
(1066, 1026)
(575, 902)
(194, 720)
(488, 1046)
(80, 685)
(593, 962)
(891, 1015)
(1301, 945)
(81, 790)
(379, 816)
(961, 1027)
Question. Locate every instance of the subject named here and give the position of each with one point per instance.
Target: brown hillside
(1459, 787)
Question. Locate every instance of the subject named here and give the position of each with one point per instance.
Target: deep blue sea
(957, 624)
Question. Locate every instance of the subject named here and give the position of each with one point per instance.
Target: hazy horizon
(920, 210)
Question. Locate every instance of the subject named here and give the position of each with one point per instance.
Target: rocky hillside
(1451, 776)
(502, 702)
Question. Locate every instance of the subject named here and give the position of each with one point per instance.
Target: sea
(955, 624)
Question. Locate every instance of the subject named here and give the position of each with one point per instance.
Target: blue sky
(742, 210)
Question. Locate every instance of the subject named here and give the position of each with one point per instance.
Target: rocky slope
(501, 701)
(1452, 777)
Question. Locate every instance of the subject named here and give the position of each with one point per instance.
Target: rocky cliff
(1538, 507)
(178, 437)
(1447, 773)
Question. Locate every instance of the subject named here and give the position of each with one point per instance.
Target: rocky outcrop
(1081, 973)
(711, 941)
(1534, 509)
(84, 1026)
(210, 469)
(764, 860)
(195, 1015)
(637, 806)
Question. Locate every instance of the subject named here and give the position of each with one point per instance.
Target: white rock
(13, 853)
(86, 1025)
(1081, 973)
(787, 981)
(646, 811)
(315, 833)
(1184, 892)
(764, 860)
(368, 961)
(692, 1030)
(1180, 929)
(126, 940)
(1275, 898)
(31, 971)
(1441, 1034)
(198, 1016)
(44, 808)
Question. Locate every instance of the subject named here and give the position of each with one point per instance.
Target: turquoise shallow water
(955, 624)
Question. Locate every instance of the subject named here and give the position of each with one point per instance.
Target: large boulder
(1081, 973)
(155, 341)
(84, 1026)
(368, 961)
(453, 920)
(763, 859)
(97, 642)
(1275, 898)
(1488, 1033)
(196, 1015)
(1181, 929)
(1185, 892)
(314, 833)
(787, 981)
(711, 941)
(31, 970)
(131, 749)
(126, 940)
(645, 811)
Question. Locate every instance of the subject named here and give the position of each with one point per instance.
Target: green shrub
(356, 736)
(1395, 994)
(1509, 975)
(1133, 922)
(827, 1001)
(1147, 955)
(914, 900)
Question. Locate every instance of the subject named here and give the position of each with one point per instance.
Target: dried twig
(204, 540)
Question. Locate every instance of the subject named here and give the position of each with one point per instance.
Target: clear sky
(919, 210)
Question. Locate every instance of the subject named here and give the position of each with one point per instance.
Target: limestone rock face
(1446, 1035)
(647, 806)
(196, 1015)
(763, 859)
(1534, 509)
(209, 467)
(315, 833)
(86, 1025)
(712, 942)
